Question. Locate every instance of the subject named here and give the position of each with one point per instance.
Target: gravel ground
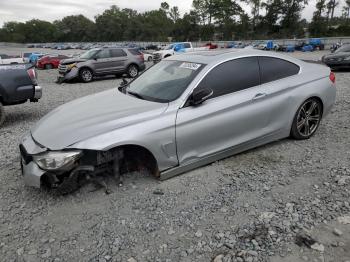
(249, 207)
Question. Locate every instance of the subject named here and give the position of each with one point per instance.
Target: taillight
(332, 77)
(141, 56)
(32, 75)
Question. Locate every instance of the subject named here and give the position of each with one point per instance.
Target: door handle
(259, 96)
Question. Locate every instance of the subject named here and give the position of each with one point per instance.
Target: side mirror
(198, 97)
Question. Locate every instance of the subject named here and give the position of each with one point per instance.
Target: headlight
(71, 66)
(55, 160)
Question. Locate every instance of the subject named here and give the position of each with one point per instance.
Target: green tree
(75, 28)
(205, 10)
(174, 13)
(111, 24)
(318, 25)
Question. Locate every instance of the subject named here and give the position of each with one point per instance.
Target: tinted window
(103, 54)
(344, 48)
(232, 76)
(134, 51)
(274, 68)
(187, 45)
(118, 52)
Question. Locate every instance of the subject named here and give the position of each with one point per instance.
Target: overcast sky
(50, 10)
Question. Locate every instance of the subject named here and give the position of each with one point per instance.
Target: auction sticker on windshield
(192, 66)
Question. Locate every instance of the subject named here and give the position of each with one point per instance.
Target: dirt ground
(249, 207)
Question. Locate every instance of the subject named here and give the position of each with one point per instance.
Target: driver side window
(232, 76)
(103, 54)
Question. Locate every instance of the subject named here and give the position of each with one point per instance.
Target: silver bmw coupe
(184, 112)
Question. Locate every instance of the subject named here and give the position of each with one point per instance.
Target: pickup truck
(176, 48)
(6, 59)
(18, 84)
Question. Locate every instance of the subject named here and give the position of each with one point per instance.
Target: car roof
(217, 56)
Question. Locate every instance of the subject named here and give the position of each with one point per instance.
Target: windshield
(89, 54)
(165, 81)
(344, 48)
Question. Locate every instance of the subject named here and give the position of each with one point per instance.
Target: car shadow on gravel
(96, 79)
(132, 182)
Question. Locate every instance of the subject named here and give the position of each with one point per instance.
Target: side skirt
(222, 154)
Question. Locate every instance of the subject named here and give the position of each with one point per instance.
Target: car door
(103, 62)
(119, 59)
(278, 78)
(236, 113)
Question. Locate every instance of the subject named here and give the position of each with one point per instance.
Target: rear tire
(86, 75)
(133, 71)
(2, 114)
(307, 119)
(149, 59)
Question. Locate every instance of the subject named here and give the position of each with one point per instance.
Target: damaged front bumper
(68, 75)
(30, 170)
(66, 177)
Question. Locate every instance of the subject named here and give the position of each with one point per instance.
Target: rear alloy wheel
(48, 66)
(86, 75)
(307, 119)
(2, 114)
(133, 71)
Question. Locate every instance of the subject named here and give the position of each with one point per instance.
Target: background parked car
(339, 59)
(6, 59)
(316, 43)
(176, 48)
(147, 57)
(34, 57)
(25, 57)
(102, 61)
(18, 84)
(211, 45)
(50, 61)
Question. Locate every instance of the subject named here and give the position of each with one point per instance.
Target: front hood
(72, 60)
(90, 116)
(336, 55)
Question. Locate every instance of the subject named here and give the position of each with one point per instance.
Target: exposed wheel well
(134, 65)
(137, 157)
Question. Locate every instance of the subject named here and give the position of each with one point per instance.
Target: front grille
(157, 57)
(62, 68)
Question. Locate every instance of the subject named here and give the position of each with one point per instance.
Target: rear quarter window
(118, 52)
(272, 69)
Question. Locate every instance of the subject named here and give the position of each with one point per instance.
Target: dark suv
(102, 61)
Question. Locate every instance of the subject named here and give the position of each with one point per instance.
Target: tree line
(207, 20)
